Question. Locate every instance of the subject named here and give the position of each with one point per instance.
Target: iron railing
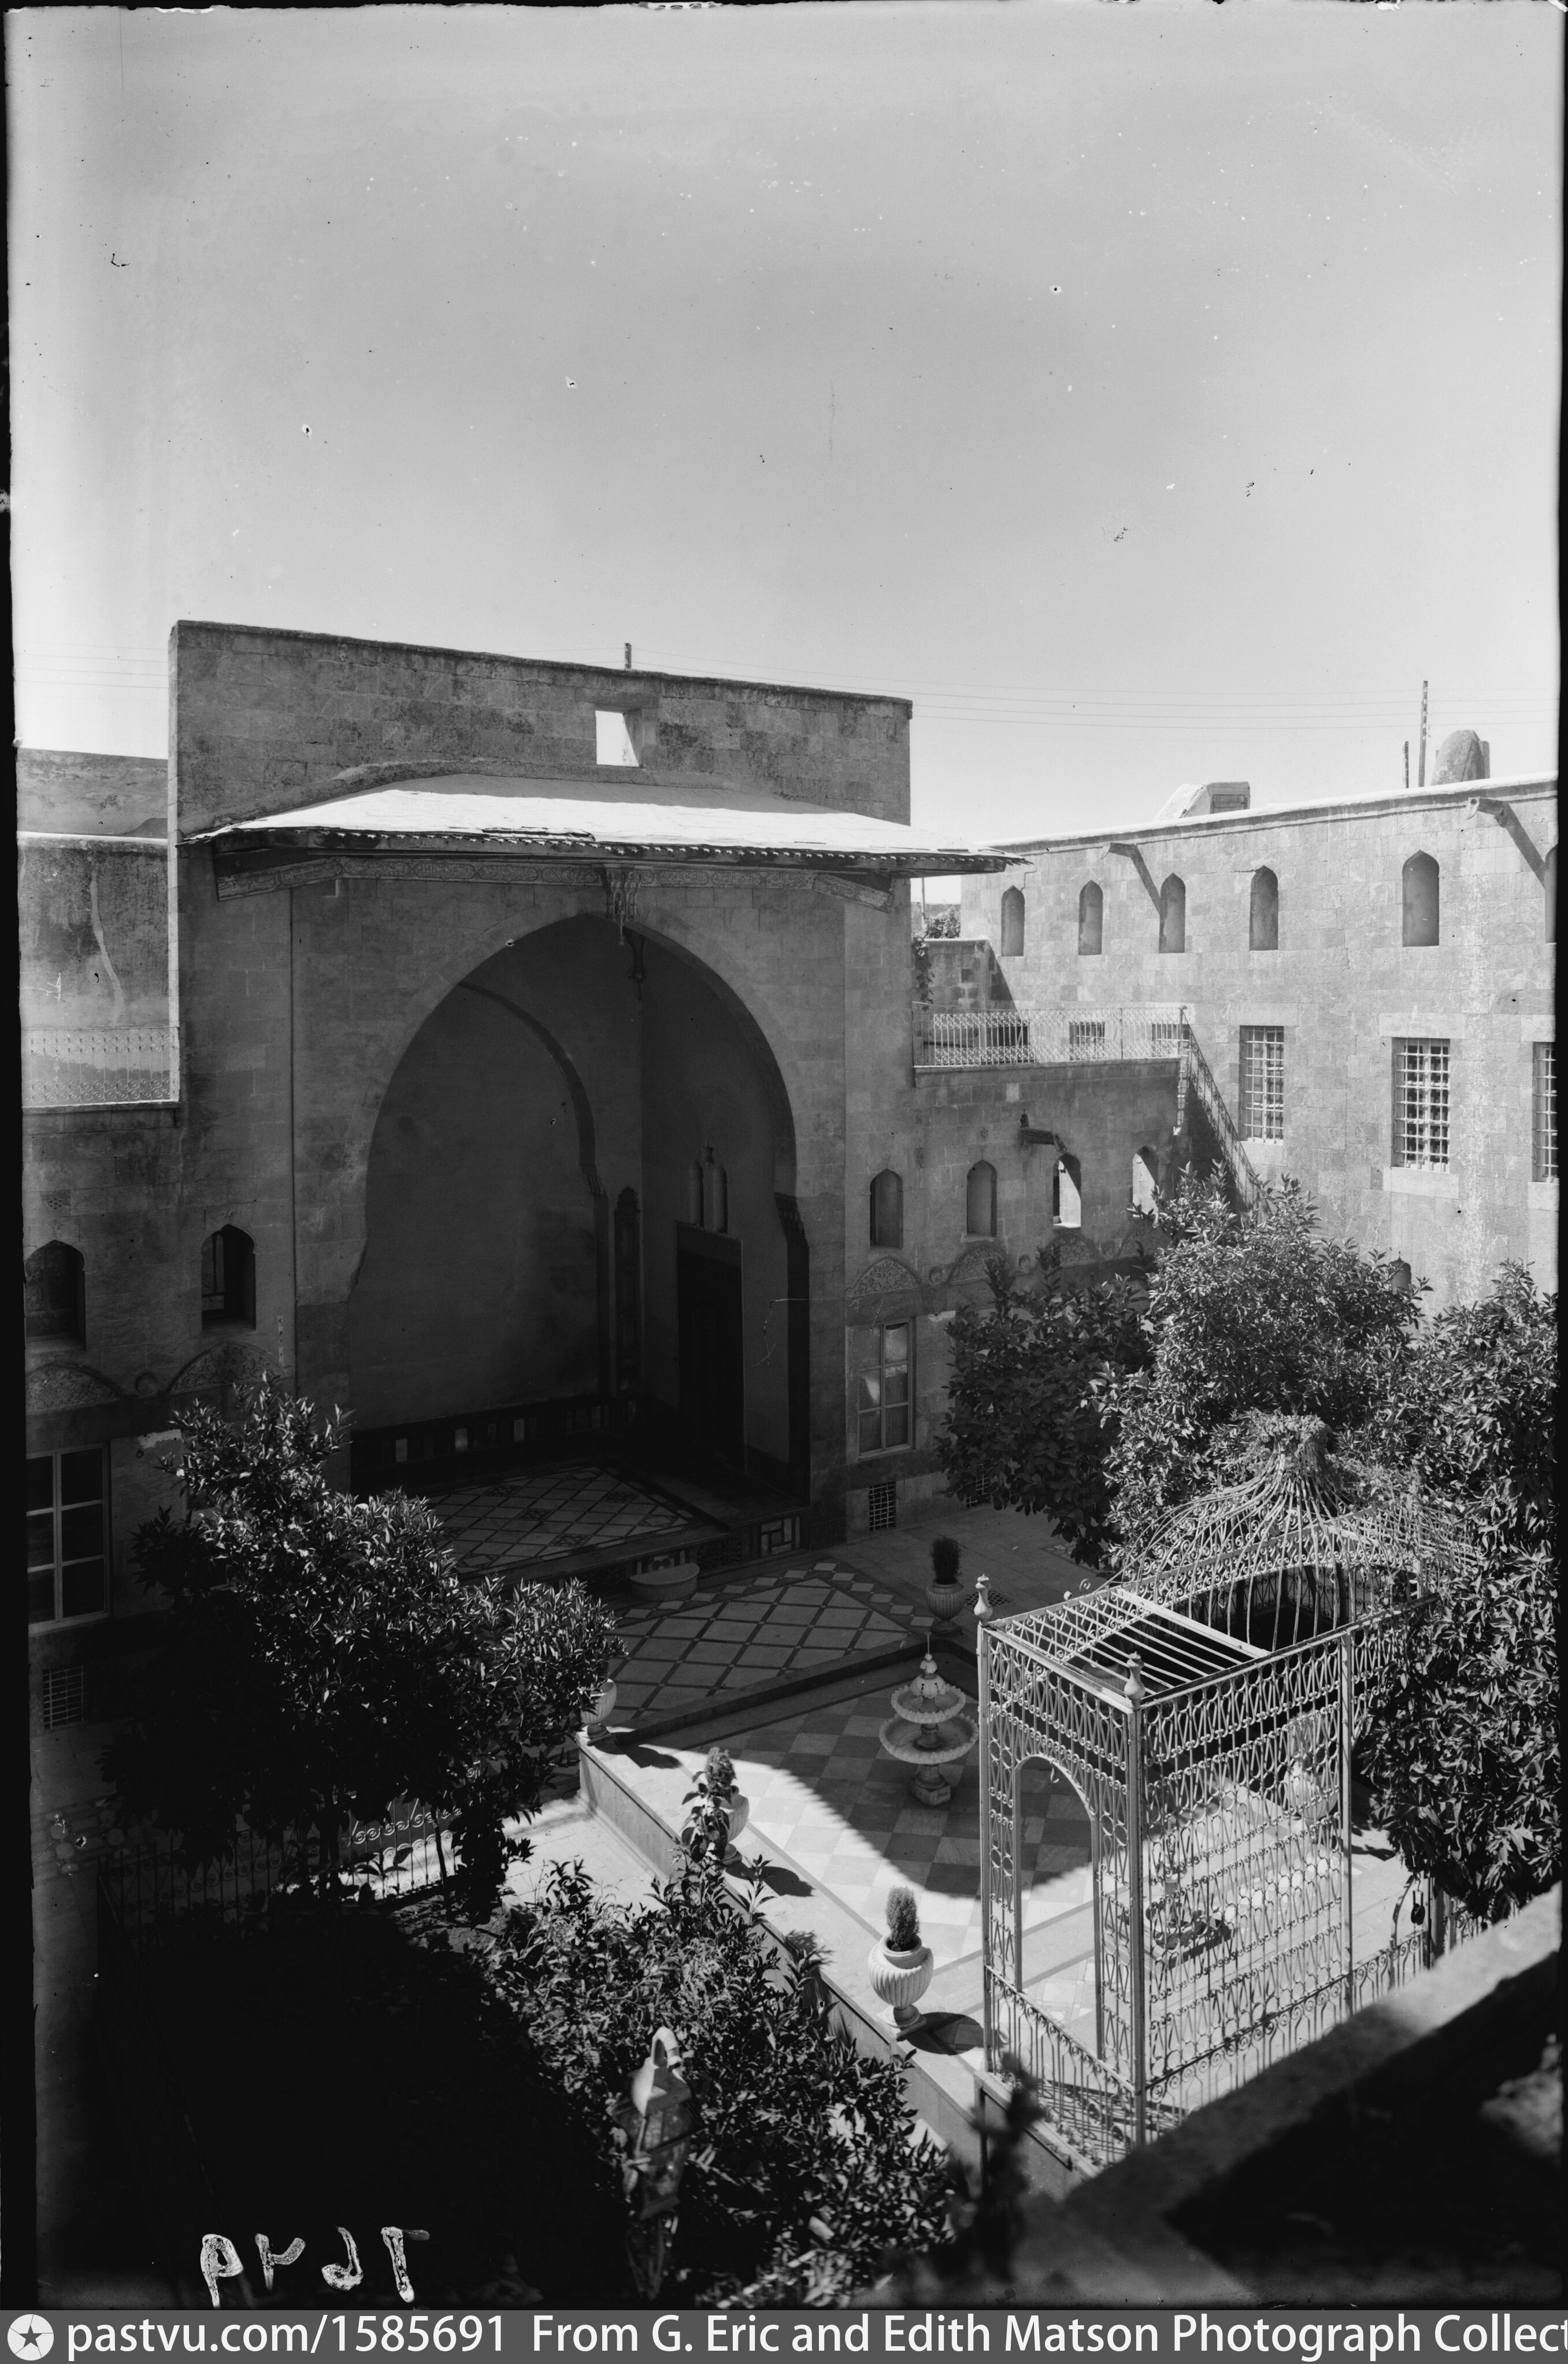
(1196, 1076)
(1065, 1034)
(110, 1067)
(146, 1886)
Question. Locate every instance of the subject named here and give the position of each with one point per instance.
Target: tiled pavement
(550, 1514)
(804, 1621)
(840, 1814)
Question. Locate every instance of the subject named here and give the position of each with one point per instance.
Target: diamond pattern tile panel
(805, 1620)
(548, 1513)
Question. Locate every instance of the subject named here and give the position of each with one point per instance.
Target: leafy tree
(1463, 1751)
(1032, 1402)
(1474, 1409)
(326, 1662)
(1250, 1311)
(804, 2149)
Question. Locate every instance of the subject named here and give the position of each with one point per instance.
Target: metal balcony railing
(117, 1066)
(1057, 1036)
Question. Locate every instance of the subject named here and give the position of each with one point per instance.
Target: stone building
(500, 1050)
(1367, 984)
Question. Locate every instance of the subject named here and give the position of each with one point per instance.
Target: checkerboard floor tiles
(545, 1514)
(810, 1619)
(825, 1799)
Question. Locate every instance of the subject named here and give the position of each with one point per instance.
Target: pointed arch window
(1013, 923)
(1419, 885)
(55, 1295)
(1091, 919)
(228, 1277)
(1067, 1194)
(1263, 926)
(888, 1210)
(980, 1202)
(1173, 915)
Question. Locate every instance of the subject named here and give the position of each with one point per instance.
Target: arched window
(695, 1194)
(1012, 923)
(887, 1211)
(1145, 1168)
(55, 1293)
(1421, 897)
(980, 1202)
(228, 1277)
(1399, 1273)
(719, 1193)
(1091, 919)
(1067, 1195)
(1263, 926)
(1173, 916)
(1548, 880)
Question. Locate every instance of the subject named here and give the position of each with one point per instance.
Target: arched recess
(1262, 917)
(561, 1077)
(1419, 890)
(1173, 915)
(1012, 923)
(1091, 919)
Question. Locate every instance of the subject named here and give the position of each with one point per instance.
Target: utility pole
(629, 656)
(1407, 765)
(1421, 774)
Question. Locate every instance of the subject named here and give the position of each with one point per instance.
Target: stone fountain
(928, 1730)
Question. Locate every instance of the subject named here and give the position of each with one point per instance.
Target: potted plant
(901, 1967)
(714, 1791)
(946, 1594)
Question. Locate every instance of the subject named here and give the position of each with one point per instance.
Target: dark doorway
(707, 1305)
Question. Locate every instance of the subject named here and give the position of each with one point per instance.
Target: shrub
(1032, 1402)
(1463, 1751)
(803, 2149)
(902, 1921)
(1250, 1311)
(326, 1662)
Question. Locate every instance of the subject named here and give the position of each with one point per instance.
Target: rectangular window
(67, 1541)
(1262, 1083)
(1543, 1113)
(1421, 1104)
(883, 1406)
(1085, 1038)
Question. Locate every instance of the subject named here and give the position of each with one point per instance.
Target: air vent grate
(62, 1698)
(882, 1508)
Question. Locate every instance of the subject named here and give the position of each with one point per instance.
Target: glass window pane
(870, 1392)
(40, 1595)
(82, 1590)
(81, 1532)
(898, 1387)
(40, 1539)
(897, 1426)
(870, 1431)
(896, 1344)
(40, 1482)
(82, 1476)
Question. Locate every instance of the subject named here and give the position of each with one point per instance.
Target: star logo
(31, 2336)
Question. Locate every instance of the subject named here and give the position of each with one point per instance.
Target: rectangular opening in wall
(881, 1507)
(63, 1700)
(1543, 1112)
(1421, 1104)
(612, 740)
(1262, 1083)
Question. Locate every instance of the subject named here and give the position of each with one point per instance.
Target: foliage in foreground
(1462, 1754)
(804, 2154)
(1032, 1402)
(326, 1662)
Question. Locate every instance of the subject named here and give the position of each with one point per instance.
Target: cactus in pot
(902, 1968)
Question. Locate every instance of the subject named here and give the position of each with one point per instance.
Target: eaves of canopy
(681, 823)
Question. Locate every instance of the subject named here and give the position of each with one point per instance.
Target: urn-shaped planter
(657, 1584)
(947, 1594)
(603, 1706)
(901, 1967)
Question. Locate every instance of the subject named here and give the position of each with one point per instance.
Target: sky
(1151, 394)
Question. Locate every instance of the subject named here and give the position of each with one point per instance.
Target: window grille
(1085, 1038)
(1421, 1104)
(1262, 1083)
(882, 1508)
(63, 1697)
(1543, 1157)
(883, 1409)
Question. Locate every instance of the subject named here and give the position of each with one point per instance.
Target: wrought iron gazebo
(1202, 1706)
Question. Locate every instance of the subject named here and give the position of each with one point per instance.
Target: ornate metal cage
(1204, 1709)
